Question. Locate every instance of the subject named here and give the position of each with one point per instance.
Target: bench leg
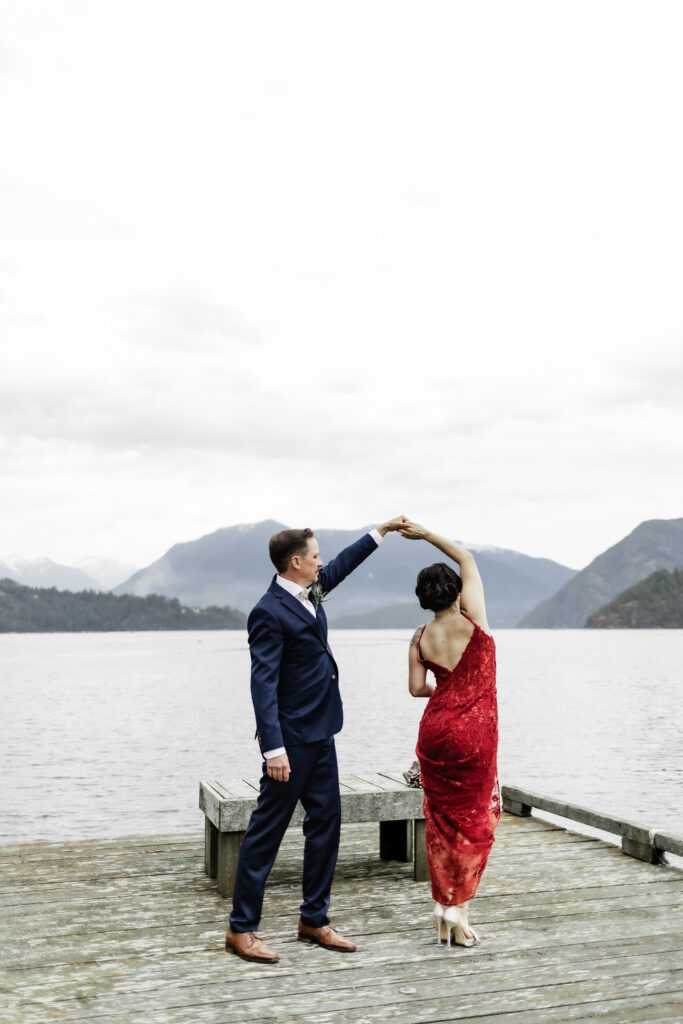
(421, 867)
(396, 840)
(637, 842)
(210, 848)
(516, 807)
(228, 851)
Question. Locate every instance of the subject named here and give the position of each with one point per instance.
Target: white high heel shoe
(441, 931)
(453, 926)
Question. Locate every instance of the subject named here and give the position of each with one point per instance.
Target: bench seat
(381, 796)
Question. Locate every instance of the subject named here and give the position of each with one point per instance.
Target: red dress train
(456, 747)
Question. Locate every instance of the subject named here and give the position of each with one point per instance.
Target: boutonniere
(317, 595)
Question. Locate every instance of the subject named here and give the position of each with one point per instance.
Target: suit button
(333, 676)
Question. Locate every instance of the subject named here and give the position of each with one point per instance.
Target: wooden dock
(130, 931)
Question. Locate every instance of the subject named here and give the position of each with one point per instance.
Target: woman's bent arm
(418, 684)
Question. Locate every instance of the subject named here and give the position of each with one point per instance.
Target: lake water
(108, 734)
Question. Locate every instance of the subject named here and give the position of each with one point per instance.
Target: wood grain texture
(130, 931)
(637, 840)
(382, 797)
(368, 796)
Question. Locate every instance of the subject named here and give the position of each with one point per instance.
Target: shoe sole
(332, 949)
(251, 959)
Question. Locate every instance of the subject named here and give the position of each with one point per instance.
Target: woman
(458, 736)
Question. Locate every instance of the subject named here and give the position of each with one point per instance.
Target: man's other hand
(397, 523)
(278, 768)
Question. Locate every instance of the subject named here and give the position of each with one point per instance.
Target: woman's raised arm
(472, 597)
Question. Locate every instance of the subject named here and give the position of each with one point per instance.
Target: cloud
(446, 272)
(184, 317)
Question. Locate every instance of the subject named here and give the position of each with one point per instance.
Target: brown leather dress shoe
(326, 936)
(249, 947)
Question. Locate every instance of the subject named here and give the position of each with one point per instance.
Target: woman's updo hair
(437, 587)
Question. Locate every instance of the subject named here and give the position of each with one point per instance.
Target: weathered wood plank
(667, 842)
(72, 848)
(420, 863)
(521, 933)
(407, 998)
(302, 969)
(360, 988)
(637, 840)
(373, 805)
(117, 869)
(210, 800)
(227, 855)
(382, 781)
(611, 1011)
(355, 784)
(566, 809)
(178, 969)
(210, 848)
(237, 789)
(133, 934)
(384, 798)
(155, 897)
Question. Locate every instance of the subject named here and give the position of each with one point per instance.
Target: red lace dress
(456, 747)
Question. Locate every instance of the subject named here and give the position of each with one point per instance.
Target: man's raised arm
(338, 568)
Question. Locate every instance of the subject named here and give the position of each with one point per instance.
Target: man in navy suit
(295, 692)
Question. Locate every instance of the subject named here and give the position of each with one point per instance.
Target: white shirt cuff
(376, 536)
(275, 753)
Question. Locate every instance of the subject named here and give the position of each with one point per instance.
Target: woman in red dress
(458, 736)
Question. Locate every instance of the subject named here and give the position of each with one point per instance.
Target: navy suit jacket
(294, 677)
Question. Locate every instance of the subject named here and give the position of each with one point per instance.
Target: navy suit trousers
(314, 780)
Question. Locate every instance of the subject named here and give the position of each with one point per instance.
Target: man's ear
(295, 562)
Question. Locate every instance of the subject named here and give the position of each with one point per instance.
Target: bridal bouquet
(412, 776)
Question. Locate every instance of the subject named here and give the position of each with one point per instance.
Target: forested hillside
(654, 603)
(48, 610)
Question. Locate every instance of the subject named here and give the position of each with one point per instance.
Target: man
(295, 692)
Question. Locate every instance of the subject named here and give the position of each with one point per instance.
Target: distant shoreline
(48, 610)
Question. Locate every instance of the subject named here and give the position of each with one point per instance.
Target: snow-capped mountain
(43, 572)
(90, 573)
(106, 572)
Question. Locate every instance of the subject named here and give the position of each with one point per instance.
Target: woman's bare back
(445, 639)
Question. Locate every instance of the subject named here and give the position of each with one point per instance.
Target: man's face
(311, 563)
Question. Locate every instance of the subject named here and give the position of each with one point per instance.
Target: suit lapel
(295, 605)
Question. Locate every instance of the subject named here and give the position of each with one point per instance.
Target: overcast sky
(326, 262)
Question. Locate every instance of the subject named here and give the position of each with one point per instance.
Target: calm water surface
(109, 734)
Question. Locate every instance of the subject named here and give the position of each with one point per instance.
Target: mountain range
(105, 572)
(654, 603)
(89, 573)
(655, 544)
(231, 567)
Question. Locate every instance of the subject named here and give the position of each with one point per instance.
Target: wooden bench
(368, 796)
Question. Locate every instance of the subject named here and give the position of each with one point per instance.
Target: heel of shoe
(451, 920)
(441, 931)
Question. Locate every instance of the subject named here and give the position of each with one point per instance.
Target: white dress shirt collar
(295, 590)
(289, 585)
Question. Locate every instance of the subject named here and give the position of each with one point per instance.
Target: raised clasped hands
(393, 525)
